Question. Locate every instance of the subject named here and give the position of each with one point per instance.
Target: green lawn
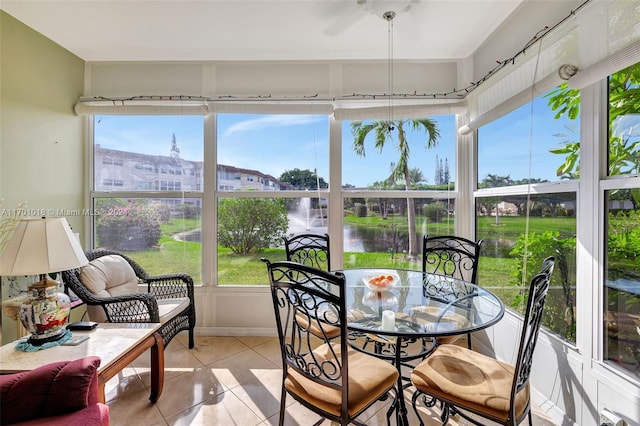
(180, 256)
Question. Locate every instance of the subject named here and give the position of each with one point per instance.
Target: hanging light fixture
(388, 16)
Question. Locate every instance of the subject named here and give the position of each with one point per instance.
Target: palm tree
(382, 131)
(416, 176)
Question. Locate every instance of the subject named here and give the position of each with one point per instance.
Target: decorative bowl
(380, 280)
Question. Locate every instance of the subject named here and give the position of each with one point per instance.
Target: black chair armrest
(138, 307)
(170, 286)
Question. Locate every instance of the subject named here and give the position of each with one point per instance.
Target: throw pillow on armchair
(64, 393)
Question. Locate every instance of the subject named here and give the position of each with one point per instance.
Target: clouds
(271, 121)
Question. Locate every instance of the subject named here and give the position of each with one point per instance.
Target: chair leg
(191, 338)
(283, 407)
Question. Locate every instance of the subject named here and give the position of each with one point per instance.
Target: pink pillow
(53, 389)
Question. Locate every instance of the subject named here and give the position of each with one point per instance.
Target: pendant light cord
(389, 17)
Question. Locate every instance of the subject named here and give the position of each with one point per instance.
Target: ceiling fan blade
(347, 18)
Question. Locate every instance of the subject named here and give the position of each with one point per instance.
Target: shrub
(434, 211)
(132, 225)
(247, 225)
(360, 210)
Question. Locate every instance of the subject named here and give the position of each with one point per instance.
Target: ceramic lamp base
(45, 312)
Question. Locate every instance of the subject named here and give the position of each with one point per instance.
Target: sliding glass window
(526, 207)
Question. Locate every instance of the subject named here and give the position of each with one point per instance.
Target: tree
(246, 225)
(447, 175)
(416, 176)
(303, 179)
(624, 100)
(494, 181)
(175, 151)
(382, 130)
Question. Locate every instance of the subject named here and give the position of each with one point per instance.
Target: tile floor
(224, 381)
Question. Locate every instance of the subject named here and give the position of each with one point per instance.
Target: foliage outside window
(517, 223)
(622, 204)
(259, 156)
(621, 310)
(376, 230)
(414, 156)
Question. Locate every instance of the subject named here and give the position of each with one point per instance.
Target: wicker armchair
(108, 285)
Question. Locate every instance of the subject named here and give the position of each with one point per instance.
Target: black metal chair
(465, 380)
(108, 285)
(320, 370)
(454, 257)
(309, 249)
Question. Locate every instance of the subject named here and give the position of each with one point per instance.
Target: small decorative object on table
(381, 280)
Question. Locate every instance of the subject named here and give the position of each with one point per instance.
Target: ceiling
(239, 30)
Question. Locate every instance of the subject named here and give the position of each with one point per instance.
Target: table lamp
(41, 246)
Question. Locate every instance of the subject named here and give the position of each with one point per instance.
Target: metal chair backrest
(304, 296)
(531, 326)
(309, 249)
(451, 256)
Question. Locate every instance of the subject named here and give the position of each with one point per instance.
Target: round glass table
(398, 314)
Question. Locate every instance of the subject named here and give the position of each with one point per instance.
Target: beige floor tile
(296, 415)
(253, 341)
(241, 368)
(125, 382)
(134, 408)
(230, 381)
(271, 351)
(187, 390)
(177, 360)
(211, 349)
(223, 409)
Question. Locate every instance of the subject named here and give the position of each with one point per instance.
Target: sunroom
(529, 141)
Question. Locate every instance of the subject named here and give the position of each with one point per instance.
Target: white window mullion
(209, 238)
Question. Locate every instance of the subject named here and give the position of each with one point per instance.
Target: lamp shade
(40, 246)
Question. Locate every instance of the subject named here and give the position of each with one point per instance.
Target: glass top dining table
(397, 315)
(423, 304)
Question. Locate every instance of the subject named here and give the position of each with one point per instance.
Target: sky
(273, 144)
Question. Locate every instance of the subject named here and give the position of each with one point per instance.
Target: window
(378, 230)
(161, 233)
(622, 226)
(272, 171)
(521, 215)
(271, 180)
(112, 161)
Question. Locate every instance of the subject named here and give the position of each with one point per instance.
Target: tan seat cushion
(450, 320)
(470, 379)
(317, 327)
(369, 379)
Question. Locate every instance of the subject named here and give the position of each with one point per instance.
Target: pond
(363, 239)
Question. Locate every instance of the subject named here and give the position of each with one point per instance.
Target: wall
(41, 139)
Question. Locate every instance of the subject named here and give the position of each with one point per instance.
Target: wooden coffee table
(117, 345)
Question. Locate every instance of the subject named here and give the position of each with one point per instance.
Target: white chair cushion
(107, 276)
